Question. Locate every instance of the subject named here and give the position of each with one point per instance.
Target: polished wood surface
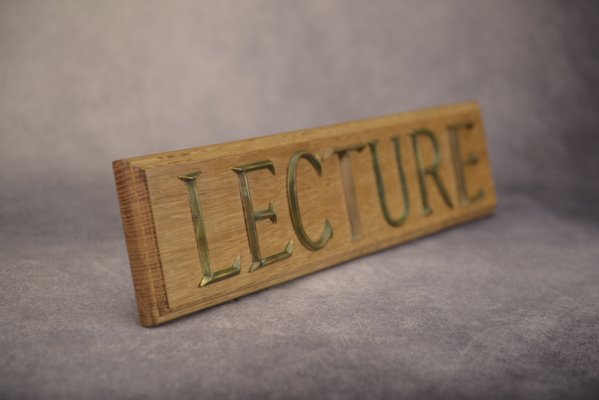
(308, 199)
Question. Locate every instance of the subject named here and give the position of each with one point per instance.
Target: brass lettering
(459, 163)
(252, 216)
(376, 164)
(294, 209)
(432, 170)
(197, 218)
(349, 187)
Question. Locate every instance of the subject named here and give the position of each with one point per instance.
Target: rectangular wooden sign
(210, 224)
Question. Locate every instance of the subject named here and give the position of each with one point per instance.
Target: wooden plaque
(210, 224)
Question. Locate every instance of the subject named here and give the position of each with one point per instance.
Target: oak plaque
(210, 224)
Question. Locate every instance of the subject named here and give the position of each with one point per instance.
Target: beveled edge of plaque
(142, 246)
(266, 142)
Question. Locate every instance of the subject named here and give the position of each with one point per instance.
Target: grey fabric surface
(506, 307)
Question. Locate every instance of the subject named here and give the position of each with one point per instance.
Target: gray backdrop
(504, 307)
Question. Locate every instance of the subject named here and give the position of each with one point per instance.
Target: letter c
(294, 209)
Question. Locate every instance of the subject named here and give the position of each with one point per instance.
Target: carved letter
(349, 189)
(293, 200)
(208, 276)
(376, 164)
(459, 163)
(252, 216)
(432, 170)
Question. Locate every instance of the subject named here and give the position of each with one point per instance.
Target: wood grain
(157, 216)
